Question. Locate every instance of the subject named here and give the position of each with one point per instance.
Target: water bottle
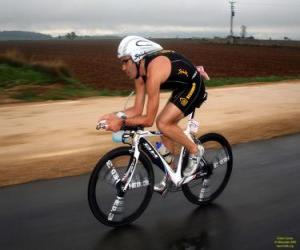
(164, 152)
(117, 136)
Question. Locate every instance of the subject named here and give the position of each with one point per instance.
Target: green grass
(216, 82)
(59, 93)
(25, 83)
(11, 76)
(66, 93)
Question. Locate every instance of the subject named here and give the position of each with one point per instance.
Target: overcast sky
(163, 18)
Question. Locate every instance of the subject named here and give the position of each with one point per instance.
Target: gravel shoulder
(55, 139)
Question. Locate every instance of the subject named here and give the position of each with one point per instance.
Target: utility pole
(243, 31)
(231, 17)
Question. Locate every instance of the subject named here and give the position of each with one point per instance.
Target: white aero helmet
(137, 47)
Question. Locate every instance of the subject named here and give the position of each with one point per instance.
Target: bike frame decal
(221, 161)
(128, 176)
(117, 207)
(138, 184)
(152, 153)
(113, 171)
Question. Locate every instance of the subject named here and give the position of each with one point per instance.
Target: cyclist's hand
(202, 72)
(107, 117)
(114, 124)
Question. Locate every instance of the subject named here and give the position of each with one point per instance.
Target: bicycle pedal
(172, 188)
(162, 192)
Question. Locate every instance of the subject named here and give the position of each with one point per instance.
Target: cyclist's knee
(161, 125)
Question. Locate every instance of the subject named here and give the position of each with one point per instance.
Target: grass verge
(217, 82)
(27, 84)
(24, 79)
(63, 92)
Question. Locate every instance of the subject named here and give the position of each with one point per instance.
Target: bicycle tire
(208, 139)
(98, 185)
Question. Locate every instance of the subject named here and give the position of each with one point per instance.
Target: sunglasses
(124, 61)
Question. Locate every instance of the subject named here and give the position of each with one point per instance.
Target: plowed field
(94, 61)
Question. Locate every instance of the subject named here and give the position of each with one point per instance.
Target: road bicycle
(121, 184)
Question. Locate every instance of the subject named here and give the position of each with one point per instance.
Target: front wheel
(108, 201)
(214, 173)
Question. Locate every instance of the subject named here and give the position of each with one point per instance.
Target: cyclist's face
(128, 67)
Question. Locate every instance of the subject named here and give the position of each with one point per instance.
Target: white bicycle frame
(175, 176)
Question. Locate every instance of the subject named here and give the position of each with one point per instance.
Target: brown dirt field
(55, 139)
(94, 61)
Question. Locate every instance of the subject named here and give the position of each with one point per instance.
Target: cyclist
(152, 68)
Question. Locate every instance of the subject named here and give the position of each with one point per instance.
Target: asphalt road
(260, 203)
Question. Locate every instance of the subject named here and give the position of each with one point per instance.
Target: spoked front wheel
(215, 172)
(108, 201)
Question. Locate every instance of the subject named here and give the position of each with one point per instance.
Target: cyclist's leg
(159, 121)
(181, 103)
(167, 123)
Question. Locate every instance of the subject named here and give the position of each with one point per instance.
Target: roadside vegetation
(217, 82)
(25, 79)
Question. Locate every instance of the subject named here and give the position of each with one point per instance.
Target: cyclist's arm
(137, 108)
(157, 73)
(152, 106)
(139, 103)
(153, 84)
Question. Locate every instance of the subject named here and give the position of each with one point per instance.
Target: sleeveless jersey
(183, 72)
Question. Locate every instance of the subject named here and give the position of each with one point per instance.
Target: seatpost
(193, 114)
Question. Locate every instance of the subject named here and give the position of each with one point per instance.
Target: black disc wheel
(214, 171)
(110, 202)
